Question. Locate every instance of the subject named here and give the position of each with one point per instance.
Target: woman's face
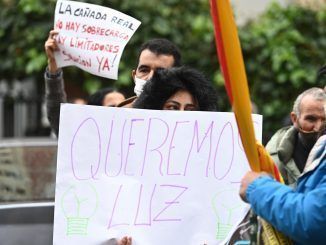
(181, 101)
(113, 99)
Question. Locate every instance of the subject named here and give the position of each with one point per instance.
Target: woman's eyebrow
(172, 101)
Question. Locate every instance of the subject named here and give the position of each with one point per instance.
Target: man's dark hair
(162, 46)
(98, 97)
(166, 82)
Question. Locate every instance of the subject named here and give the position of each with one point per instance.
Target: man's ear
(133, 74)
(294, 118)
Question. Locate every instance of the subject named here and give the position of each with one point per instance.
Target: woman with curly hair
(178, 88)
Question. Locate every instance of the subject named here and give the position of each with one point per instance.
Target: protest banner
(162, 177)
(92, 37)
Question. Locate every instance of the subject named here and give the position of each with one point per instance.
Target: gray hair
(316, 93)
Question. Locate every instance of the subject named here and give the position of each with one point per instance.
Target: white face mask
(139, 85)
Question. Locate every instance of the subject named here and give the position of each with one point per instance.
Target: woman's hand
(125, 241)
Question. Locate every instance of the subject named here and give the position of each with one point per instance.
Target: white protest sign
(162, 177)
(92, 37)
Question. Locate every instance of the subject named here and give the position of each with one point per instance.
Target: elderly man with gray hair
(290, 146)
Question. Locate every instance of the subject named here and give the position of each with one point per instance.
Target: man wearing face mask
(158, 53)
(290, 146)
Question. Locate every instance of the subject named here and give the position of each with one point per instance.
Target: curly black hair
(166, 82)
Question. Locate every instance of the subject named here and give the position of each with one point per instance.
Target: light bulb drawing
(79, 203)
(227, 210)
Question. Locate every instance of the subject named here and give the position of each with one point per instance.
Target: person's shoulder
(273, 143)
(127, 103)
(284, 130)
(280, 133)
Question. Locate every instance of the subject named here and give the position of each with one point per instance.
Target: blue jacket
(299, 213)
